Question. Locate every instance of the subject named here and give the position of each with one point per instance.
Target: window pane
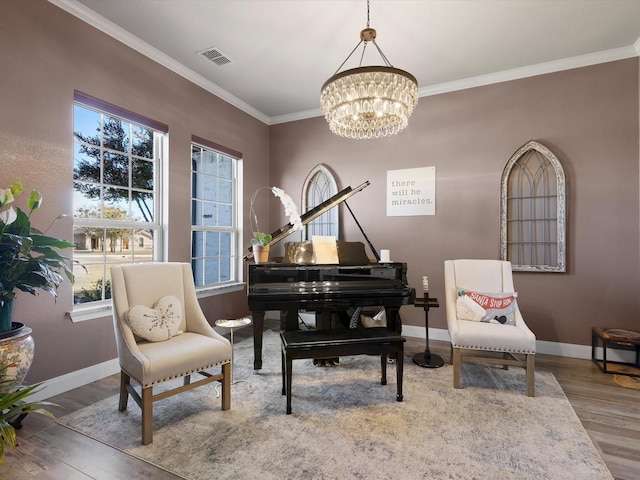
(142, 245)
(142, 174)
(209, 211)
(225, 167)
(142, 207)
(213, 244)
(86, 163)
(225, 244)
(142, 142)
(225, 191)
(196, 212)
(114, 185)
(225, 269)
(197, 244)
(225, 215)
(209, 162)
(117, 241)
(197, 264)
(88, 284)
(116, 169)
(213, 210)
(86, 199)
(116, 134)
(211, 271)
(118, 204)
(205, 187)
(86, 125)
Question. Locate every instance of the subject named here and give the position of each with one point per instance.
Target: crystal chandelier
(368, 102)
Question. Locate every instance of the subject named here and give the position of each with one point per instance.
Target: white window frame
(235, 257)
(101, 308)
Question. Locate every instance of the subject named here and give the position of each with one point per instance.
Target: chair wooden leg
(531, 367)
(124, 395)
(505, 356)
(226, 386)
(186, 380)
(147, 415)
(456, 360)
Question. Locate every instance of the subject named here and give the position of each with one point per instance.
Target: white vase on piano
(261, 253)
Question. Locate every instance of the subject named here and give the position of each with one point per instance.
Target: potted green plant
(260, 241)
(29, 259)
(261, 247)
(14, 403)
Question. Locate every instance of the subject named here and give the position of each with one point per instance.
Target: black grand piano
(299, 284)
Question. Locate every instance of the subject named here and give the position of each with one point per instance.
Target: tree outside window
(116, 190)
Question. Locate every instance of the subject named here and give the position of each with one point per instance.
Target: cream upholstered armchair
(482, 292)
(161, 334)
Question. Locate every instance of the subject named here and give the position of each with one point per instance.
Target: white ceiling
(282, 51)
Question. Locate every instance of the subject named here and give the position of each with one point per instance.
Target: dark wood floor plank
(97, 459)
(32, 459)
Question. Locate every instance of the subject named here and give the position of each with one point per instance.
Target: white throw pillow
(486, 307)
(158, 323)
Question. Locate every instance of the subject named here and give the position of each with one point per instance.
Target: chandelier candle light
(369, 102)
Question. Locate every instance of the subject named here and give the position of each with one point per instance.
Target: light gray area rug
(345, 425)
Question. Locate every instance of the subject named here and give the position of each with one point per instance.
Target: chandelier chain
(367, 13)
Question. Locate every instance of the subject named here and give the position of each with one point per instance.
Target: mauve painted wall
(588, 117)
(46, 54)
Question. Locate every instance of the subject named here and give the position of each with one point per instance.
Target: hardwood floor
(609, 413)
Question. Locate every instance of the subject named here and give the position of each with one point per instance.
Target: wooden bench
(300, 344)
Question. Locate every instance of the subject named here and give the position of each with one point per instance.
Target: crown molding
(504, 76)
(533, 70)
(102, 24)
(111, 29)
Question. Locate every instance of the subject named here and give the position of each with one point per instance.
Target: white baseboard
(69, 381)
(87, 375)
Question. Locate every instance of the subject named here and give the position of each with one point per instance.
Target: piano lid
(312, 214)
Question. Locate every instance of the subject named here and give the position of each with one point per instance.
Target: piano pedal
(326, 362)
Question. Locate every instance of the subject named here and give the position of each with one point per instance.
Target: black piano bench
(299, 344)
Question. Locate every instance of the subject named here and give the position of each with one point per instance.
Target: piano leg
(325, 320)
(258, 327)
(394, 323)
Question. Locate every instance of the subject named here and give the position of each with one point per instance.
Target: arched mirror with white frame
(533, 211)
(320, 185)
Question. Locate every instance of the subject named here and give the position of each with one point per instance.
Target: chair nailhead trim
(512, 350)
(180, 375)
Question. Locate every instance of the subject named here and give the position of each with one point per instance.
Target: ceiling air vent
(216, 56)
